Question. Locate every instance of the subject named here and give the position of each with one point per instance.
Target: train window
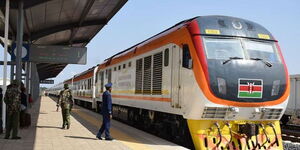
(96, 78)
(85, 84)
(120, 67)
(166, 58)
(186, 57)
(102, 80)
(129, 64)
(115, 69)
(124, 66)
(90, 84)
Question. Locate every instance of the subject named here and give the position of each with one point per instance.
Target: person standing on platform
(66, 103)
(106, 113)
(13, 102)
(23, 107)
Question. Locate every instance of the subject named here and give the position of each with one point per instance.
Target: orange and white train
(210, 82)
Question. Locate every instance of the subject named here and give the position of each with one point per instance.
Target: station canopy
(59, 22)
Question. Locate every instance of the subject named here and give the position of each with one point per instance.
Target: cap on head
(15, 82)
(66, 86)
(108, 85)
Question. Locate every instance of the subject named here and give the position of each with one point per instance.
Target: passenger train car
(210, 82)
(292, 112)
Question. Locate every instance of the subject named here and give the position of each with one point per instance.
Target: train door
(176, 77)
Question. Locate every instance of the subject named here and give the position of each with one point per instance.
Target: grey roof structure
(59, 22)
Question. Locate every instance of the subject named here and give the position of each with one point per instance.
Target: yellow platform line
(117, 134)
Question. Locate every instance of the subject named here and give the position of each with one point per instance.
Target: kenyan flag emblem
(250, 88)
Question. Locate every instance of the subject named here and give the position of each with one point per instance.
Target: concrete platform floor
(45, 133)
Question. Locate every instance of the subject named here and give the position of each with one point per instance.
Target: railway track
(290, 133)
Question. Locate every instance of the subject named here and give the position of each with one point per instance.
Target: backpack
(66, 99)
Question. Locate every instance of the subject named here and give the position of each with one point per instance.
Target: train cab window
(263, 50)
(217, 48)
(186, 57)
(129, 64)
(120, 67)
(124, 66)
(166, 58)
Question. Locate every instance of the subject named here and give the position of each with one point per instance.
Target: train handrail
(265, 133)
(219, 132)
(273, 128)
(230, 132)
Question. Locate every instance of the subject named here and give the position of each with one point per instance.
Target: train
(209, 82)
(292, 113)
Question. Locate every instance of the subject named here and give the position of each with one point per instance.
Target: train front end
(243, 82)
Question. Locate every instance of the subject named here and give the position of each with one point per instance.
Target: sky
(141, 19)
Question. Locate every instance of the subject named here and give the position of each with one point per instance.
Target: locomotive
(209, 82)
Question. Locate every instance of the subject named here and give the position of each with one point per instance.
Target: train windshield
(222, 48)
(262, 50)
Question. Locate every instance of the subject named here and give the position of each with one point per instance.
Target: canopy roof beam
(84, 13)
(54, 29)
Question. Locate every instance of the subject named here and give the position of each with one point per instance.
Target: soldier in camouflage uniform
(13, 102)
(66, 103)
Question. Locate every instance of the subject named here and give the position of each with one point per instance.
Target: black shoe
(6, 137)
(109, 139)
(16, 138)
(100, 138)
(68, 127)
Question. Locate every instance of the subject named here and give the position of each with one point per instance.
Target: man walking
(66, 103)
(106, 113)
(13, 102)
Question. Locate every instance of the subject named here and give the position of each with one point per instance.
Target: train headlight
(275, 87)
(221, 85)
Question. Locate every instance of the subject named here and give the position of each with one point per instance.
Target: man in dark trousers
(13, 102)
(66, 102)
(106, 113)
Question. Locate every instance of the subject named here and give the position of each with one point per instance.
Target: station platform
(45, 133)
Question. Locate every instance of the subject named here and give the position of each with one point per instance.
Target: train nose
(251, 81)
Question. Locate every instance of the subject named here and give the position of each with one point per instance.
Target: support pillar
(35, 82)
(5, 62)
(19, 40)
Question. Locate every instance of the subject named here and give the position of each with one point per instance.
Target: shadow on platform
(48, 127)
(121, 132)
(80, 137)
